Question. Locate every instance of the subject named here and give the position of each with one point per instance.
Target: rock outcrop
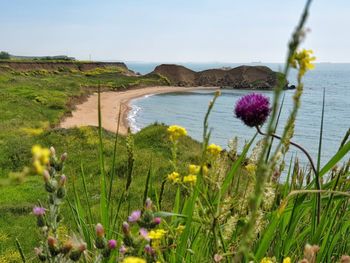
(242, 77)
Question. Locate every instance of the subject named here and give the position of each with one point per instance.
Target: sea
(188, 109)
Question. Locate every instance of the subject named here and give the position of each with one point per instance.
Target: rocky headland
(242, 77)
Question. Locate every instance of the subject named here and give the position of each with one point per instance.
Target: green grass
(31, 105)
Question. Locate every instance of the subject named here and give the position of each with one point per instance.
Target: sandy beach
(113, 104)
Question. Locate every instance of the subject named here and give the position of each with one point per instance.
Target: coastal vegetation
(85, 194)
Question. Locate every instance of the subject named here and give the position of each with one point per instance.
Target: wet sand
(113, 105)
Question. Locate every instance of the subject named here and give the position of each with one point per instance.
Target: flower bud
(126, 228)
(61, 192)
(53, 151)
(64, 157)
(40, 254)
(39, 212)
(345, 259)
(157, 220)
(148, 204)
(217, 258)
(122, 249)
(63, 180)
(52, 243)
(100, 242)
(67, 247)
(100, 232)
(50, 186)
(46, 176)
(149, 250)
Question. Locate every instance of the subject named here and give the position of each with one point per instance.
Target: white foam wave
(132, 118)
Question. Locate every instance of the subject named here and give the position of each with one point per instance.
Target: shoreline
(113, 105)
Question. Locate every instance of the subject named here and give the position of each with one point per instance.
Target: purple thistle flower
(157, 220)
(38, 211)
(144, 233)
(149, 249)
(135, 216)
(253, 109)
(112, 244)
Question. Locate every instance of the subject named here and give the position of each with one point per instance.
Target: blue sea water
(188, 109)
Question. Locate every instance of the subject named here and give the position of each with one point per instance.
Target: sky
(172, 30)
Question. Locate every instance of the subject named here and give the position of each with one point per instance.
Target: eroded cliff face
(59, 65)
(242, 77)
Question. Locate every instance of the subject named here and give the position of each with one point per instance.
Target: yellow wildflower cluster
(176, 131)
(174, 177)
(214, 149)
(273, 260)
(266, 260)
(194, 169)
(302, 60)
(41, 157)
(133, 260)
(191, 179)
(10, 256)
(156, 234)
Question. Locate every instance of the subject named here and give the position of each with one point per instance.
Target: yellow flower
(133, 260)
(176, 131)
(205, 170)
(194, 169)
(302, 60)
(191, 179)
(41, 154)
(251, 168)
(287, 260)
(214, 149)
(174, 177)
(156, 234)
(38, 167)
(266, 260)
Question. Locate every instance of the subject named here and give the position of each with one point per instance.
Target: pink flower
(122, 249)
(149, 249)
(135, 216)
(38, 211)
(217, 258)
(157, 220)
(112, 244)
(144, 233)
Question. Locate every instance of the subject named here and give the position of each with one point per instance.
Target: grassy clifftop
(32, 102)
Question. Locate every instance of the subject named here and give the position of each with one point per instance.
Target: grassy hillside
(31, 105)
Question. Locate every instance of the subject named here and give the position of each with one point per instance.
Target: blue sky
(172, 31)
